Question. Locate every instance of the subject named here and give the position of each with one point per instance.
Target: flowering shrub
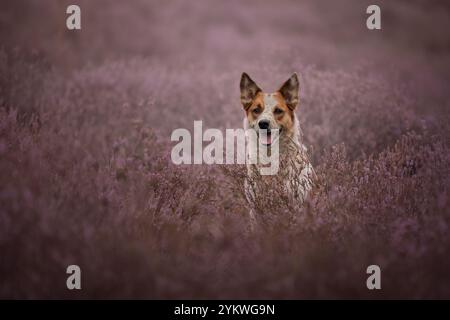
(86, 176)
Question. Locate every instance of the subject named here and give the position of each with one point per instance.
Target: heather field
(86, 176)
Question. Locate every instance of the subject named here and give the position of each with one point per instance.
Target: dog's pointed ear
(289, 91)
(249, 90)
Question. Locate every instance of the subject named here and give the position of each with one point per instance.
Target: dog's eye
(257, 110)
(278, 111)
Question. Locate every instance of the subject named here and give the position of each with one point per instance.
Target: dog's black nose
(263, 124)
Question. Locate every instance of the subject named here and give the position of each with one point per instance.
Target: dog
(267, 113)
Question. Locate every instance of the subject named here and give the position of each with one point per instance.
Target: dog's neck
(291, 147)
(293, 138)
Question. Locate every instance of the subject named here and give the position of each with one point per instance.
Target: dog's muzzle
(265, 133)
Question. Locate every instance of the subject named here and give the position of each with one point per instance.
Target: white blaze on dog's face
(268, 111)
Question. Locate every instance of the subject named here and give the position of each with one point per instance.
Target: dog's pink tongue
(268, 138)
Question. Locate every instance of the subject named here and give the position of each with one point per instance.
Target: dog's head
(269, 111)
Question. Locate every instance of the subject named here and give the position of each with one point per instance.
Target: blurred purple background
(85, 174)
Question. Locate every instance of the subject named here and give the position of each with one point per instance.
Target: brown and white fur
(269, 111)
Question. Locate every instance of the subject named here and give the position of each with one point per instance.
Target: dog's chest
(292, 182)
